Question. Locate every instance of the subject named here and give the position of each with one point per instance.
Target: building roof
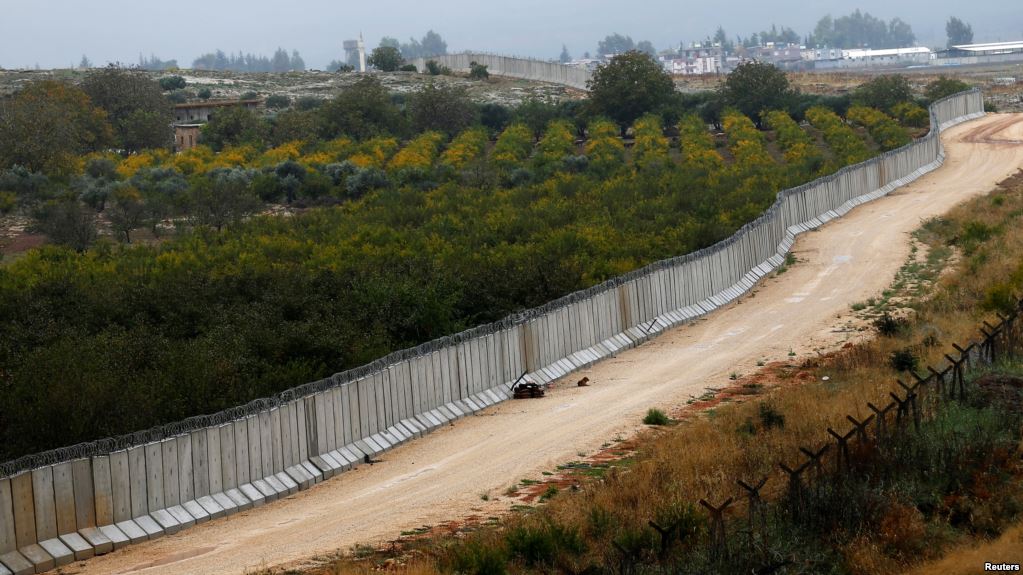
(216, 104)
(889, 52)
(991, 47)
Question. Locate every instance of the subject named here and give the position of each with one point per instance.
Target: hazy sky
(56, 33)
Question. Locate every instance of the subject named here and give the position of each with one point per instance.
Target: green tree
(140, 114)
(222, 199)
(46, 124)
(433, 45)
(615, 44)
(565, 57)
(234, 126)
(859, 30)
(66, 222)
(756, 87)
(278, 102)
(386, 58)
(944, 87)
(126, 211)
(884, 92)
(169, 83)
(958, 32)
(647, 47)
(294, 125)
(446, 109)
(361, 111)
(281, 61)
(630, 85)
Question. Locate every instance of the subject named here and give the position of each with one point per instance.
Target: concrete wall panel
(255, 439)
(117, 469)
(200, 463)
(154, 477)
(138, 479)
(228, 457)
(350, 410)
(171, 480)
(186, 473)
(329, 422)
(85, 493)
(216, 455)
(276, 441)
(8, 538)
(45, 505)
(302, 409)
(241, 451)
(64, 498)
(24, 512)
(266, 442)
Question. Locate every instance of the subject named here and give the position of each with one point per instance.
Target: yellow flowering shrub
(418, 153)
(467, 148)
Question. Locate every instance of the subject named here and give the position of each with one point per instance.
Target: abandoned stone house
(189, 118)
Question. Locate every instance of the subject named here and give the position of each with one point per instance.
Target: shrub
(884, 92)
(364, 180)
(540, 545)
(847, 147)
(337, 172)
(205, 94)
(435, 69)
(466, 149)
(770, 417)
(888, 134)
(604, 148)
(903, 360)
(170, 83)
(278, 102)
(478, 71)
(519, 177)
(943, 87)
(911, 114)
(655, 417)
(7, 202)
(889, 326)
(408, 68)
(651, 148)
(512, 147)
(575, 164)
(477, 558)
(999, 297)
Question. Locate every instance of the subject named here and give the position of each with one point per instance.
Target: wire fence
(795, 489)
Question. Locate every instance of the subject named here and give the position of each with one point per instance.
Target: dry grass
(970, 559)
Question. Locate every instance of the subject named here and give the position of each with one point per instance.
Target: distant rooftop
(992, 47)
(217, 104)
(889, 52)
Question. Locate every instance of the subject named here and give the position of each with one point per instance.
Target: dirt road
(443, 476)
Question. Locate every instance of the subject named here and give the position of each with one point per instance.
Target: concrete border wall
(524, 68)
(69, 504)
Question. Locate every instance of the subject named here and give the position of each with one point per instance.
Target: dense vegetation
(433, 214)
(434, 236)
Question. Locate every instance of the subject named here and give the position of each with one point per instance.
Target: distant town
(700, 58)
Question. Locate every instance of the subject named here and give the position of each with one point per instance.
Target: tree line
(281, 61)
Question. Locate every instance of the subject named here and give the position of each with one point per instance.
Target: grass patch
(655, 417)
